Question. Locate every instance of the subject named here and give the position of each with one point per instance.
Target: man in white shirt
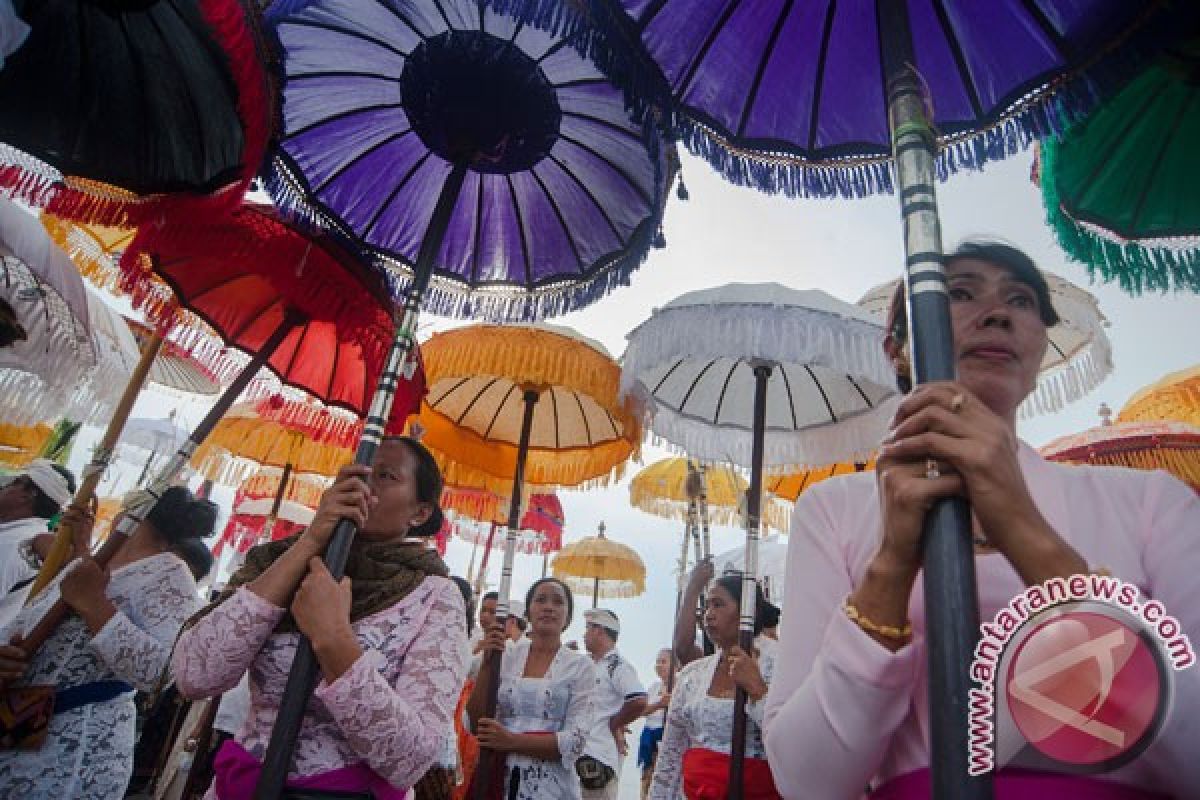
(27, 503)
(619, 699)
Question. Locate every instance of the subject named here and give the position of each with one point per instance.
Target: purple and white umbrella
(563, 190)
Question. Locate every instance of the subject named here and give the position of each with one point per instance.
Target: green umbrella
(1120, 187)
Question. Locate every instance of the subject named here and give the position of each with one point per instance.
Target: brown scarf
(381, 574)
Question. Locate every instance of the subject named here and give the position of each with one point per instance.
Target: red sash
(706, 776)
(1020, 784)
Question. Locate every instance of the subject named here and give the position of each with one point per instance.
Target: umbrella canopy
(19, 444)
(157, 435)
(243, 440)
(1078, 358)
(540, 531)
(1171, 446)
(249, 272)
(118, 102)
(599, 566)
(1174, 397)
(1119, 187)
(52, 340)
(772, 566)
(792, 97)
(174, 368)
(691, 367)
(790, 485)
(304, 488)
(661, 489)
(563, 193)
(95, 249)
(580, 432)
(23, 237)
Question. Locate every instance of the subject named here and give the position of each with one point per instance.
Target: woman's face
(548, 609)
(999, 335)
(721, 616)
(662, 664)
(393, 483)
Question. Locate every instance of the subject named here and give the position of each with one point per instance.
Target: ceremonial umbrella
(1173, 397)
(1078, 357)
(271, 504)
(790, 485)
(773, 566)
(448, 141)
(1119, 187)
(539, 533)
(601, 566)
(116, 111)
(155, 436)
(814, 98)
(19, 444)
(760, 375)
(1172, 446)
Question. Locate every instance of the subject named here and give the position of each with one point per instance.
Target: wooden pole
(61, 550)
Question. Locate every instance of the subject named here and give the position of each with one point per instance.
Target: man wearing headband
(27, 503)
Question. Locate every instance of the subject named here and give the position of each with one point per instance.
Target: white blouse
(559, 703)
(694, 719)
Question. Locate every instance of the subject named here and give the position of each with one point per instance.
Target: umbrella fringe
(1084, 372)
(804, 337)
(1137, 266)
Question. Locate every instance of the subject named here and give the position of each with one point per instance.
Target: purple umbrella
(563, 190)
(491, 169)
(812, 98)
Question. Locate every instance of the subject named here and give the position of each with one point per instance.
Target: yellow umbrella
(790, 485)
(242, 441)
(1174, 397)
(19, 444)
(607, 568)
(95, 249)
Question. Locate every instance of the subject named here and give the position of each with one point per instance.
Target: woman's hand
(13, 661)
(701, 576)
(495, 640)
(79, 522)
(321, 608)
(494, 736)
(84, 590)
(743, 668)
(349, 498)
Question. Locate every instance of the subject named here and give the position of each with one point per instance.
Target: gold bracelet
(887, 631)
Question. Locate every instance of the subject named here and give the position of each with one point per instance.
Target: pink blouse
(844, 712)
(390, 710)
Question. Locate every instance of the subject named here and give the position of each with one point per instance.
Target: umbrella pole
(545, 562)
(146, 467)
(133, 516)
(471, 563)
(749, 611)
(951, 603)
(693, 527)
(481, 579)
(303, 675)
(679, 582)
(60, 551)
(280, 493)
(487, 757)
(704, 521)
(595, 591)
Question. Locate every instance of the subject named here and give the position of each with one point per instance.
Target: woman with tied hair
(544, 708)
(390, 638)
(849, 706)
(126, 616)
(694, 755)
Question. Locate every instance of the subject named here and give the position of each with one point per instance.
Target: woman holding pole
(390, 638)
(850, 706)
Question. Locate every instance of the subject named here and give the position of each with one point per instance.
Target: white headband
(43, 474)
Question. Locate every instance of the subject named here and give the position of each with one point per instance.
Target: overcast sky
(724, 234)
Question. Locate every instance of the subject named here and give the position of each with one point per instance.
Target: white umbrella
(760, 374)
(1077, 360)
(772, 558)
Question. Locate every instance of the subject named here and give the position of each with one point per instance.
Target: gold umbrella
(1174, 397)
(1166, 445)
(607, 568)
(19, 444)
(790, 485)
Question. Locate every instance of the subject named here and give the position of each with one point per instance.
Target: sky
(725, 234)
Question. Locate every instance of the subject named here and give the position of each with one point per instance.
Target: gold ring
(931, 469)
(957, 402)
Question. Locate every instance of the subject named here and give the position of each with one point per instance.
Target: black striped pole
(951, 604)
(748, 606)
(302, 678)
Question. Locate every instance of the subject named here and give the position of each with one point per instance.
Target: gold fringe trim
(20, 444)
(1183, 463)
(1174, 397)
(791, 485)
(94, 249)
(305, 489)
(238, 445)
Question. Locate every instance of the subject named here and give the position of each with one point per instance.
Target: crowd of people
(415, 698)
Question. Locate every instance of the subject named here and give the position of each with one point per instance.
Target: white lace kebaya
(390, 710)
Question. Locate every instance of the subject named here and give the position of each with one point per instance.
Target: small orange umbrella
(1174, 397)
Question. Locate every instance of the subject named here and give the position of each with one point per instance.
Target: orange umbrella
(1174, 397)
(1171, 446)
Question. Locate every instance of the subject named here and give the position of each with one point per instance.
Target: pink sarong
(237, 774)
(1020, 784)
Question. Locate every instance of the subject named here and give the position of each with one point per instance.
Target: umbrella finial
(600, 529)
(1105, 414)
